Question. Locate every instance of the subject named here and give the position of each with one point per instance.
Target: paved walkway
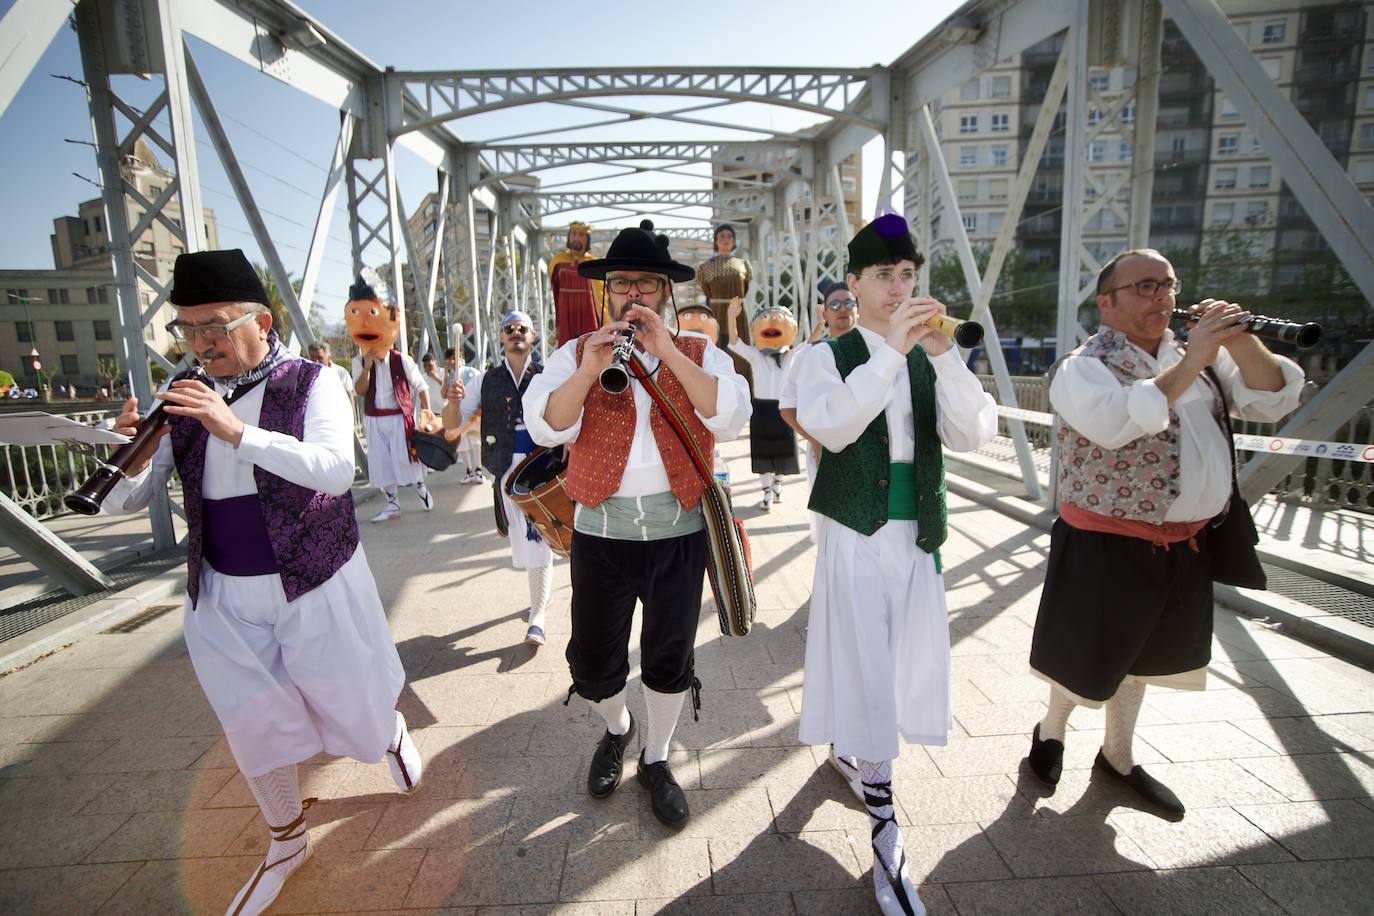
(120, 796)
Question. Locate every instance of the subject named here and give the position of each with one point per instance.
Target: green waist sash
(901, 491)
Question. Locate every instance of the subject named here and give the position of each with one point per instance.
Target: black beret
(204, 277)
(886, 240)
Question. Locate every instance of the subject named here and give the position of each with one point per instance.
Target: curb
(1342, 638)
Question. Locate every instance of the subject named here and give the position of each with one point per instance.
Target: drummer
(505, 443)
(772, 443)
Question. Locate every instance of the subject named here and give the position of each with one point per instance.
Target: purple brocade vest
(312, 534)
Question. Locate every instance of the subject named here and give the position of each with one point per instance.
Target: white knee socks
(664, 709)
(615, 712)
(391, 498)
(541, 586)
(1056, 719)
(278, 794)
(1122, 711)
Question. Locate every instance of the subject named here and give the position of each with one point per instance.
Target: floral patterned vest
(1137, 481)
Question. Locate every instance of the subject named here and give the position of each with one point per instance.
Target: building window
(99, 225)
(64, 330)
(23, 330)
(968, 124)
(1226, 179)
(968, 156)
(1223, 214)
(1001, 87)
(1228, 144)
(1369, 98)
(969, 91)
(1228, 111)
(1367, 135)
(102, 330)
(1097, 151)
(968, 189)
(970, 222)
(1123, 151)
(71, 365)
(1179, 146)
(16, 296)
(1256, 212)
(1259, 176)
(1364, 170)
(1272, 66)
(1255, 145)
(1094, 117)
(997, 189)
(1128, 114)
(62, 297)
(1099, 81)
(1273, 32)
(1001, 123)
(1000, 155)
(995, 221)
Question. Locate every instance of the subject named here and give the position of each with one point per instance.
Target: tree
(107, 367)
(281, 319)
(1026, 297)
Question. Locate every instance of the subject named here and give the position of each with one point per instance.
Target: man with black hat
(283, 622)
(881, 401)
(638, 531)
(505, 443)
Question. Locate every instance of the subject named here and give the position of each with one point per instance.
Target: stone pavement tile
(987, 636)
(138, 755)
(173, 835)
(939, 853)
(1315, 776)
(1224, 705)
(715, 812)
(614, 870)
(1322, 685)
(575, 819)
(18, 729)
(506, 776)
(1202, 741)
(1338, 888)
(1337, 829)
(1361, 723)
(319, 780)
(425, 823)
(53, 795)
(1011, 686)
(576, 737)
(1210, 836)
(782, 862)
(218, 756)
(1213, 784)
(1043, 847)
(596, 908)
(960, 800)
(349, 881)
(63, 891)
(914, 763)
(737, 767)
(505, 739)
(755, 676)
(516, 693)
(335, 827)
(140, 649)
(732, 905)
(856, 901)
(49, 758)
(1033, 897)
(166, 790)
(998, 719)
(1081, 746)
(1307, 734)
(49, 839)
(1078, 793)
(981, 756)
(42, 691)
(1188, 892)
(169, 886)
(453, 701)
(824, 804)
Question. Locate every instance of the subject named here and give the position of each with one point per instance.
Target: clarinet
(87, 499)
(1303, 336)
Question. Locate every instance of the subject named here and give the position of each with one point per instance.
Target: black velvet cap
(637, 249)
(886, 240)
(361, 289)
(204, 277)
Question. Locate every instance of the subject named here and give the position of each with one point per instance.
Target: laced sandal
(269, 879)
(850, 771)
(896, 896)
(404, 759)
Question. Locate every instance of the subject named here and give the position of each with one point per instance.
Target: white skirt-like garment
(290, 679)
(524, 553)
(877, 646)
(388, 458)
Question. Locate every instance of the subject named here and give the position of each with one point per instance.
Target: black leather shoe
(665, 795)
(608, 762)
(1046, 758)
(1145, 785)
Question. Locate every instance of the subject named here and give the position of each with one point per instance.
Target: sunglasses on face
(842, 305)
(646, 285)
(512, 329)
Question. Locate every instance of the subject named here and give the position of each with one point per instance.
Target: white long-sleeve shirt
(1088, 396)
(322, 461)
(770, 377)
(386, 395)
(644, 471)
(836, 411)
(472, 391)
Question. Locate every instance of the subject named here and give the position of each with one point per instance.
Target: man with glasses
(283, 622)
(882, 400)
(639, 533)
(505, 443)
(1144, 464)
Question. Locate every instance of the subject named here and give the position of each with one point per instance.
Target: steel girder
(448, 95)
(507, 162)
(740, 203)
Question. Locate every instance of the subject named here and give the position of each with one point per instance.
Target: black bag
(1231, 536)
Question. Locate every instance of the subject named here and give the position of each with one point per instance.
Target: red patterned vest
(1137, 481)
(598, 457)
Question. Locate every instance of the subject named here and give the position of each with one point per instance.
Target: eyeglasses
(906, 278)
(842, 305)
(183, 332)
(646, 285)
(511, 330)
(1149, 288)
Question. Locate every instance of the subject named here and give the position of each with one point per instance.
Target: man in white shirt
(457, 376)
(639, 532)
(1144, 464)
(321, 353)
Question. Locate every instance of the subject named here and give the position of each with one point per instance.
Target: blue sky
(283, 138)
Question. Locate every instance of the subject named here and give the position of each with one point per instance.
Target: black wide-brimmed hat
(203, 277)
(637, 249)
(886, 240)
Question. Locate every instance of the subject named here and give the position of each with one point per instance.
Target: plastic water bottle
(721, 472)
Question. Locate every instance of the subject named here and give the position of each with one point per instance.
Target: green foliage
(6, 379)
(1025, 300)
(159, 374)
(344, 361)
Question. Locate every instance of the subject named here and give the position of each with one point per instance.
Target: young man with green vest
(882, 401)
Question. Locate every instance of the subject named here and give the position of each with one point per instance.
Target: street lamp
(28, 322)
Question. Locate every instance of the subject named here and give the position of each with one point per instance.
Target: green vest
(843, 489)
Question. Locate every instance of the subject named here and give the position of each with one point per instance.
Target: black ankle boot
(608, 762)
(665, 795)
(1046, 758)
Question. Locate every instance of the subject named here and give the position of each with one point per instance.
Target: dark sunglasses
(842, 305)
(513, 329)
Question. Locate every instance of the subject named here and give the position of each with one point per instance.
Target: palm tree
(281, 319)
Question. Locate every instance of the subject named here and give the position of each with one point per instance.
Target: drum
(537, 487)
(434, 451)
